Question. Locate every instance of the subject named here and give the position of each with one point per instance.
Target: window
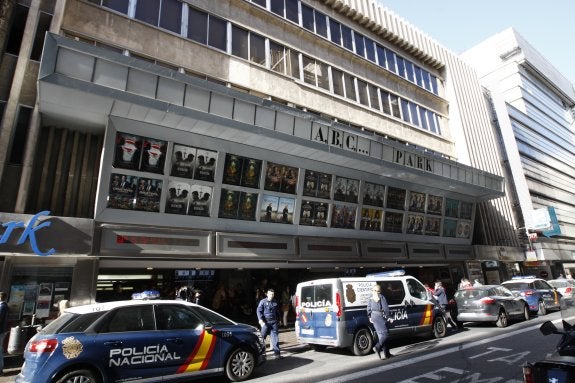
(116, 5)
(359, 44)
(312, 294)
(171, 15)
(309, 70)
(277, 57)
(292, 13)
(349, 87)
(426, 80)
(217, 33)
(423, 118)
(240, 42)
(434, 84)
(346, 37)
(414, 114)
(393, 292)
(20, 134)
(261, 3)
(173, 317)
(335, 32)
(416, 289)
(362, 91)
(277, 7)
(370, 49)
(434, 123)
(293, 64)
(390, 58)
(307, 17)
(257, 49)
(405, 110)
(322, 75)
(148, 11)
(385, 102)
(41, 29)
(400, 67)
(409, 71)
(381, 61)
(320, 24)
(134, 318)
(16, 31)
(394, 100)
(337, 81)
(373, 97)
(198, 26)
(418, 76)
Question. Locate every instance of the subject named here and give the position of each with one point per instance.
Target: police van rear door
(317, 319)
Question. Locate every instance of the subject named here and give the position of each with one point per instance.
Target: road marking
(407, 362)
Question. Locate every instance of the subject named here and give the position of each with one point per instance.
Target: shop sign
(405, 158)
(29, 233)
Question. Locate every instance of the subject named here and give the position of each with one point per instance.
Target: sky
(549, 26)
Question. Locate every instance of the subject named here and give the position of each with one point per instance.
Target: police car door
(418, 308)
(190, 347)
(127, 344)
(316, 317)
(394, 293)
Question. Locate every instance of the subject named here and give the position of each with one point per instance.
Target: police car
(539, 294)
(332, 312)
(141, 340)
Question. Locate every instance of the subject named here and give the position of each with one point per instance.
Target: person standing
(441, 296)
(269, 317)
(378, 314)
(286, 301)
(3, 327)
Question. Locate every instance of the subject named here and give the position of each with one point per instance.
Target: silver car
(565, 286)
(490, 303)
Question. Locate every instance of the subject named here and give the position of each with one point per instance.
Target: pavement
(288, 345)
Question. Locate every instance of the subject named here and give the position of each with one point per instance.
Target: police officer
(268, 312)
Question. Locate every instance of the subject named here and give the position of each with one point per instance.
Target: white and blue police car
(141, 341)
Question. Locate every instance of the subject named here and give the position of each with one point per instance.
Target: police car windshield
(517, 286)
(211, 318)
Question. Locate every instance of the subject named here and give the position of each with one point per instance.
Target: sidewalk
(288, 346)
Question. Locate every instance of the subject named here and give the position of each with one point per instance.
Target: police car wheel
(79, 376)
(362, 342)
(542, 308)
(439, 328)
(240, 365)
(526, 313)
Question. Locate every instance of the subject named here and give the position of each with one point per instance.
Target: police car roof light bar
(391, 273)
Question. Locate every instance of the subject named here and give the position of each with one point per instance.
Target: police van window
(312, 294)
(133, 318)
(393, 292)
(75, 323)
(174, 317)
(416, 289)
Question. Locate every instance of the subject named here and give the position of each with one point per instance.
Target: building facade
(176, 143)
(532, 105)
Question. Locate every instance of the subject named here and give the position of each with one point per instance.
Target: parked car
(540, 295)
(566, 287)
(147, 340)
(490, 303)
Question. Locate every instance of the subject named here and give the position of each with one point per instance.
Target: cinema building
(169, 143)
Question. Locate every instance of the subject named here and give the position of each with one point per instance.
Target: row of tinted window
(212, 31)
(340, 34)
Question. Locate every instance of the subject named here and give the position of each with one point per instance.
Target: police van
(332, 312)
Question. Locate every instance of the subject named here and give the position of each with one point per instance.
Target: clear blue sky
(549, 26)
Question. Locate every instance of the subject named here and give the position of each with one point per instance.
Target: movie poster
(232, 169)
(128, 148)
(269, 208)
(153, 156)
(343, 216)
(414, 224)
(339, 193)
(373, 194)
(289, 179)
(178, 197)
(320, 210)
(251, 173)
(451, 208)
(248, 204)
(395, 198)
(449, 227)
(285, 210)
(417, 202)
(463, 229)
(274, 176)
(148, 194)
(122, 191)
(432, 225)
(200, 200)
(205, 167)
(434, 204)
(324, 185)
(310, 184)
(229, 203)
(306, 213)
(183, 161)
(370, 219)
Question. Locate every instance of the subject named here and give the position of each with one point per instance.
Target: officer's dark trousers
(272, 328)
(380, 325)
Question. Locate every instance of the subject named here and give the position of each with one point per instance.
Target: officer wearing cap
(269, 318)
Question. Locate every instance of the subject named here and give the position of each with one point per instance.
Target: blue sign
(29, 233)
(555, 228)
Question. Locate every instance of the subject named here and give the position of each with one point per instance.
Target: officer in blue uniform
(268, 312)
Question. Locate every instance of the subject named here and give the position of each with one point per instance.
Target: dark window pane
(117, 5)
(426, 80)
(320, 24)
(322, 75)
(362, 90)
(277, 57)
(293, 68)
(19, 15)
(291, 10)
(257, 49)
(349, 87)
(240, 42)
(385, 102)
(277, 7)
(346, 37)
(405, 110)
(217, 33)
(400, 67)
(381, 56)
(261, 3)
(414, 114)
(370, 49)
(20, 134)
(394, 100)
(423, 118)
(198, 26)
(359, 45)
(337, 80)
(418, 78)
(148, 11)
(171, 15)
(43, 26)
(335, 32)
(373, 97)
(434, 84)
(390, 57)
(307, 17)
(409, 71)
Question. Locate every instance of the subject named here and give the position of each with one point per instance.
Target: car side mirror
(548, 328)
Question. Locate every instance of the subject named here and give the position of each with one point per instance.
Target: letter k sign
(29, 232)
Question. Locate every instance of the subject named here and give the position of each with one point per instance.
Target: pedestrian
(464, 284)
(441, 296)
(269, 317)
(285, 302)
(378, 314)
(3, 327)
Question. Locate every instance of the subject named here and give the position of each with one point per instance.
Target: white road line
(407, 362)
